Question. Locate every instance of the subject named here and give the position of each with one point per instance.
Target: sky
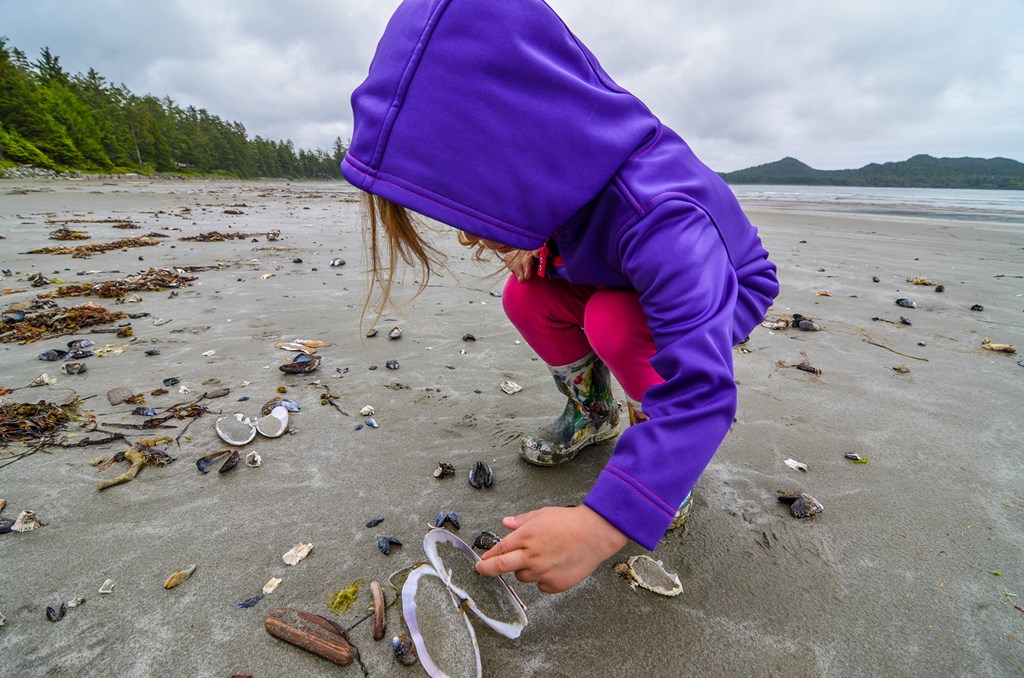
(837, 84)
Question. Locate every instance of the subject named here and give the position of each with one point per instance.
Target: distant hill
(921, 171)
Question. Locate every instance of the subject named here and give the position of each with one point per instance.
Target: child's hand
(555, 547)
(520, 262)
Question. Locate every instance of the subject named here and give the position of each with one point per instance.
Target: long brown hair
(394, 233)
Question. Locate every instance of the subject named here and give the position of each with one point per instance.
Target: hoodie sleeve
(675, 258)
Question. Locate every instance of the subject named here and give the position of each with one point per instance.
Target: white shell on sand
(796, 465)
(26, 522)
(108, 586)
(275, 423)
(367, 411)
(235, 429)
(510, 387)
(271, 585)
(297, 553)
(253, 460)
(650, 574)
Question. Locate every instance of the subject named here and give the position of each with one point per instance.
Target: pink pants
(564, 322)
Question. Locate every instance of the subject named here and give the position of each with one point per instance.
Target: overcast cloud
(837, 84)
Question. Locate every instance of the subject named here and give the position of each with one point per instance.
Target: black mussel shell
(73, 368)
(375, 522)
(481, 475)
(797, 318)
(391, 364)
(447, 517)
(468, 337)
(977, 307)
(801, 505)
(53, 354)
(6, 524)
(485, 541)
(144, 412)
(79, 353)
(171, 381)
(153, 351)
(906, 303)
(203, 463)
(385, 543)
(808, 326)
(56, 615)
(76, 344)
(905, 320)
(875, 278)
(395, 333)
(301, 364)
(231, 462)
(14, 316)
(404, 649)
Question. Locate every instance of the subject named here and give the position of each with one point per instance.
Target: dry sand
(897, 576)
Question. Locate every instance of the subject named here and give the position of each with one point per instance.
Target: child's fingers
(493, 564)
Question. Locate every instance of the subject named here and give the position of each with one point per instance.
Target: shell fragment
(650, 574)
(297, 553)
(796, 465)
(510, 387)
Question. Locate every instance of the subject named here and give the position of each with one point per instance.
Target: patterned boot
(637, 416)
(590, 415)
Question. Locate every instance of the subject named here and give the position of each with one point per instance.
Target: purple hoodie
(492, 117)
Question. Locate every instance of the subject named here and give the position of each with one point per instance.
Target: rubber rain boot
(590, 415)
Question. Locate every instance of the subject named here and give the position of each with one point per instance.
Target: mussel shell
(73, 368)
(204, 463)
(977, 307)
(486, 540)
(171, 381)
(144, 412)
(395, 333)
(231, 462)
(80, 353)
(289, 405)
(391, 364)
(375, 522)
(58, 614)
(481, 475)
(75, 344)
(404, 650)
(249, 602)
(372, 423)
(53, 354)
(302, 364)
(906, 303)
(807, 326)
(386, 542)
(153, 351)
(801, 505)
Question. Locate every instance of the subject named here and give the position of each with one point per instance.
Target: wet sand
(896, 577)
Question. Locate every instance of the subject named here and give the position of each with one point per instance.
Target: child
(493, 118)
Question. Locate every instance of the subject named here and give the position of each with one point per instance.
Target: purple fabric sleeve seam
(622, 475)
(628, 194)
(650, 146)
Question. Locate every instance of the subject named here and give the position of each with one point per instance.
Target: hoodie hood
(491, 117)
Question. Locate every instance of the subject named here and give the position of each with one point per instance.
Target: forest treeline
(54, 120)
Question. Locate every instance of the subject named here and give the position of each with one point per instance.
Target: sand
(913, 568)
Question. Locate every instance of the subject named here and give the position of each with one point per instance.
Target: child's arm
(554, 547)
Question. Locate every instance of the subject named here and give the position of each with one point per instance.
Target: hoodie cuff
(631, 508)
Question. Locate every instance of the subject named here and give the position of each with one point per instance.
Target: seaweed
(23, 422)
(83, 251)
(153, 280)
(56, 321)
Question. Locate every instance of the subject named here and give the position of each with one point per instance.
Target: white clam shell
(650, 574)
(235, 429)
(274, 424)
(253, 460)
(514, 612)
(425, 575)
(296, 553)
(510, 387)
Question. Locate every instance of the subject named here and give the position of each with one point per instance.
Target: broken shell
(144, 412)
(395, 333)
(253, 460)
(510, 387)
(274, 424)
(236, 429)
(44, 380)
(905, 320)
(52, 354)
(108, 586)
(468, 337)
(481, 475)
(998, 348)
(55, 615)
(372, 332)
(372, 423)
(179, 576)
(801, 505)
(271, 585)
(301, 364)
(297, 553)
(203, 463)
(249, 602)
(337, 262)
(77, 602)
(650, 574)
(375, 522)
(906, 303)
(391, 364)
(229, 463)
(796, 465)
(207, 354)
(26, 522)
(380, 610)
(367, 411)
(444, 470)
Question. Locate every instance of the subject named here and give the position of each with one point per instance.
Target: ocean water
(1006, 207)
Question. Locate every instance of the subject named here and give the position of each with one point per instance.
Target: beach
(915, 567)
